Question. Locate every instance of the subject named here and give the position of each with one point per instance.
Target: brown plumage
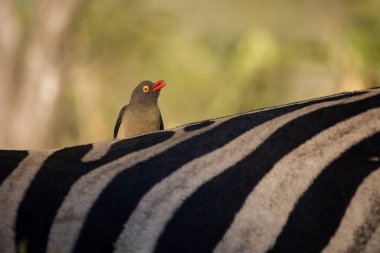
(142, 114)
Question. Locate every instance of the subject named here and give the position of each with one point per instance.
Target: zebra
(301, 177)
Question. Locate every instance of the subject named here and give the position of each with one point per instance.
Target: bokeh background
(67, 67)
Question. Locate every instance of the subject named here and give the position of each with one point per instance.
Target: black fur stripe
(53, 181)
(199, 125)
(199, 224)
(9, 160)
(105, 220)
(319, 211)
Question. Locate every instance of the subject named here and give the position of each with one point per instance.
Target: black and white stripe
(302, 177)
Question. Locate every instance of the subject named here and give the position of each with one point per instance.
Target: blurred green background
(217, 57)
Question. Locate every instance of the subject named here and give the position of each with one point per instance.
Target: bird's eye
(145, 88)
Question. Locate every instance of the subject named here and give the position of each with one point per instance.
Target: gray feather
(118, 121)
(161, 123)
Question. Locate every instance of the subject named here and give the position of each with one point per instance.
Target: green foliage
(218, 57)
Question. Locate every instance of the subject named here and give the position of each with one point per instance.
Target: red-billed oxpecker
(142, 114)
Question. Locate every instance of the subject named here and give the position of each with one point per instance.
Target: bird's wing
(118, 121)
(161, 123)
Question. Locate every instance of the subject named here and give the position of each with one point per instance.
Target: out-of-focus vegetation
(217, 57)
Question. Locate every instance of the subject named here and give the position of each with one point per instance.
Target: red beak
(159, 85)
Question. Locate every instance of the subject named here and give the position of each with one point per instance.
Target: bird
(142, 114)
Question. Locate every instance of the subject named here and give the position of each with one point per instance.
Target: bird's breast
(139, 121)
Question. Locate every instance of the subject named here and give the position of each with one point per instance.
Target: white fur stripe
(356, 215)
(98, 151)
(12, 191)
(157, 207)
(71, 215)
(266, 210)
(373, 245)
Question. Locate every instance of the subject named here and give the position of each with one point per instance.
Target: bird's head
(147, 92)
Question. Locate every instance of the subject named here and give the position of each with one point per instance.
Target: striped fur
(302, 177)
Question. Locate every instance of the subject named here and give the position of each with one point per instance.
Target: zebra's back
(302, 177)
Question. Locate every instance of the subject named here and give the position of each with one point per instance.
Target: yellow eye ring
(145, 88)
